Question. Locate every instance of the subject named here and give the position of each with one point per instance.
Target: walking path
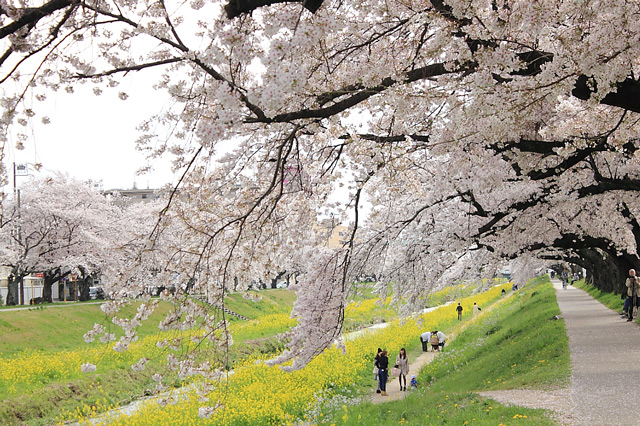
(605, 360)
(415, 365)
(393, 387)
(47, 306)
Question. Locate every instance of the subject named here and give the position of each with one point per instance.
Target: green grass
(608, 299)
(363, 290)
(68, 304)
(61, 329)
(53, 330)
(508, 347)
(44, 406)
(519, 345)
(450, 294)
(44, 328)
(277, 301)
(516, 345)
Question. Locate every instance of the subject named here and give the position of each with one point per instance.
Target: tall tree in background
(61, 225)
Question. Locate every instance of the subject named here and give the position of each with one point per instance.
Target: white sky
(93, 137)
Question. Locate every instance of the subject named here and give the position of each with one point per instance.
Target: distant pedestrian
(441, 339)
(633, 291)
(459, 309)
(402, 364)
(425, 338)
(383, 371)
(476, 309)
(504, 292)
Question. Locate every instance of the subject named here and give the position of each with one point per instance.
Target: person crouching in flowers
(402, 364)
(414, 382)
(383, 370)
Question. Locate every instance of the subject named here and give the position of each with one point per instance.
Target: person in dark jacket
(633, 291)
(375, 369)
(383, 371)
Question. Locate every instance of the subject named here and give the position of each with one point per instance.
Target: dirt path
(605, 361)
(393, 387)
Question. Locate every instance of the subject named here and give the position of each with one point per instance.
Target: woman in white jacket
(402, 364)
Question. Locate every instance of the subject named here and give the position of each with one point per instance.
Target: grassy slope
(61, 329)
(509, 357)
(516, 345)
(276, 301)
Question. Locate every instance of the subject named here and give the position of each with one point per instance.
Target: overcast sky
(93, 137)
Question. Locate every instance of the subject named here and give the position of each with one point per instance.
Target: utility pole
(16, 194)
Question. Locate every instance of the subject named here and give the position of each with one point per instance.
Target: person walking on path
(459, 309)
(402, 364)
(476, 309)
(633, 291)
(383, 371)
(393, 389)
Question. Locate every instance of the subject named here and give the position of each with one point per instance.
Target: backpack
(434, 340)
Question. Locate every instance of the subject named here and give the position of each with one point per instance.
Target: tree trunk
(83, 284)
(274, 281)
(190, 283)
(12, 294)
(47, 294)
(20, 280)
(605, 271)
(50, 278)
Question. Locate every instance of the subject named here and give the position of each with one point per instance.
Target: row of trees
(476, 131)
(58, 225)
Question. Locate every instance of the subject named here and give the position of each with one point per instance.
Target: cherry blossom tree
(59, 226)
(478, 130)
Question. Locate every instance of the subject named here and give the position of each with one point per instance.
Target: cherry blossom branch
(53, 34)
(362, 94)
(236, 8)
(31, 15)
(174, 191)
(193, 58)
(118, 70)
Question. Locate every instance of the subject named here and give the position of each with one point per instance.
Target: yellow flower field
(260, 395)
(274, 397)
(30, 370)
